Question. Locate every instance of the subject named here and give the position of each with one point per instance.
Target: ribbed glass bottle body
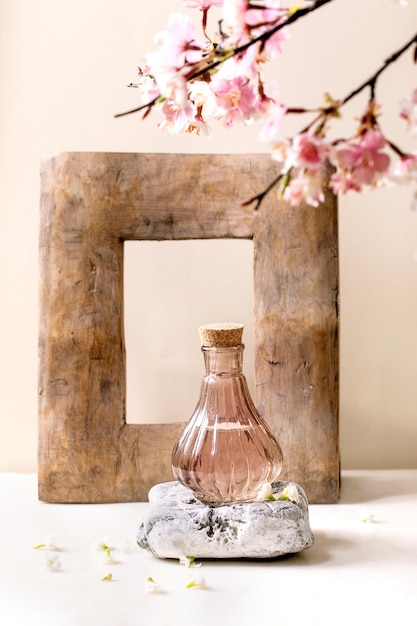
(226, 452)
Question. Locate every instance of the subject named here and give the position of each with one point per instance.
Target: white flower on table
(367, 517)
(151, 586)
(265, 493)
(107, 558)
(188, 561)
(127, 547)
(196, 582)
(102, 545)
(291, 493)
(52, 562)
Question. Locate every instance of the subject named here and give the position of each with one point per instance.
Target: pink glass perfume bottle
(226, 452)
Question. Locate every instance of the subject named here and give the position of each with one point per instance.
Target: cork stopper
(221, 335)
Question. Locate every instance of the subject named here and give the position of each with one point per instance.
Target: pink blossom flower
(148, 88)
(244, 20)
(274, 114)
(234, 19)
(272, 48)
(304, 151)
(341, 182)
(261, 19)
(406, 172)
(269, 12)
(237, 99)
(173, 86)
(406, 168)
(409, 111)
(308, 151)
(178, 120)
(177, 44)
(203, 98)
(304, 187)
(363, 161)
(280, 150)
(246, 65)
(203, 5)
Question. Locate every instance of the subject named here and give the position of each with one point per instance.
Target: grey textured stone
(179, 524)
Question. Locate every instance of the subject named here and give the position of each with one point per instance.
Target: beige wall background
(64, 67)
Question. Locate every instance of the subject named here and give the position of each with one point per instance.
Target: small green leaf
(107, 577)
(285, 181)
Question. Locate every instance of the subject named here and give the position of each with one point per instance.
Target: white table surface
(357, 573)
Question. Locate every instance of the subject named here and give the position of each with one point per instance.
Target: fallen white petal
(196, 582)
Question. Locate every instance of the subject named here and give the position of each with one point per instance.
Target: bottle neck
(223, 361)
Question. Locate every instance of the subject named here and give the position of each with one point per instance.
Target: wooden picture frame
(90, 204)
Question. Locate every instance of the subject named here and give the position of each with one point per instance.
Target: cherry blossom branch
(291, 19)
(190, 80)
(263, 37)
(335, 105)
(371, 82)
(260, 197)
(368, 120)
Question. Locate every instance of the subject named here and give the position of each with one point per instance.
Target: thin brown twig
(371, 82)
(259, 198)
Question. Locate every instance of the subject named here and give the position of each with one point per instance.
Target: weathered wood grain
(90, 204)
(296, 338)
